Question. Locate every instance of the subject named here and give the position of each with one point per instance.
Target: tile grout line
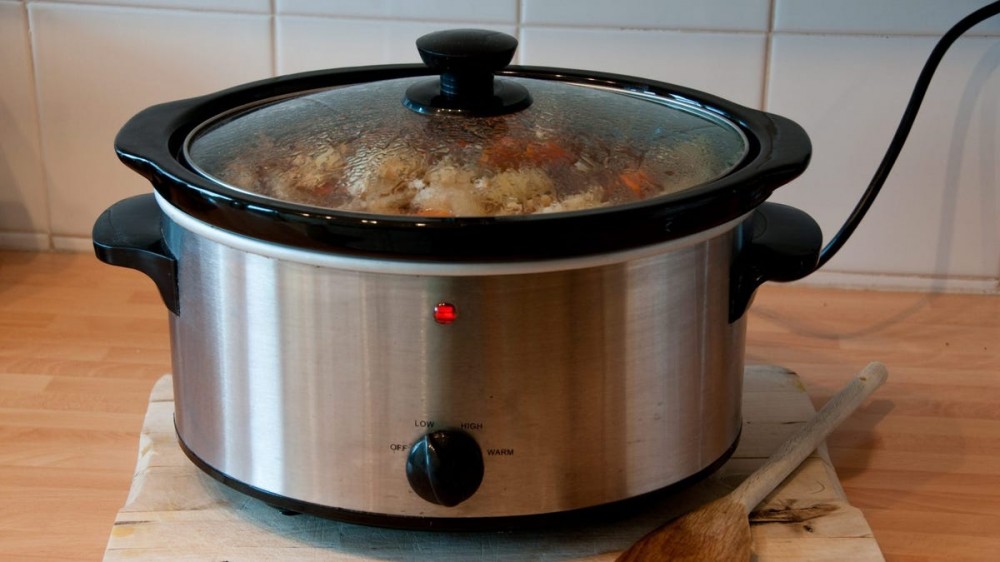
(768, 46)
(519, 28)
(37, 96)
(274, 38)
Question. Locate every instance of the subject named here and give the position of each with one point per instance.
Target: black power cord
(903, 130)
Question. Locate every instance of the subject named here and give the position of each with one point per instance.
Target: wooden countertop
(82, 343)
(175, 512)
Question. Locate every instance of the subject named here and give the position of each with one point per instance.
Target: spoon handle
(790, 455)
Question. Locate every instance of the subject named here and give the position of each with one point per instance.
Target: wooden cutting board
(175, 513)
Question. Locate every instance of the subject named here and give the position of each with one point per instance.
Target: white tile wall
(715, 15)
(250, 6)
(939, 213)
(494, 11)
(877, 16)
(730, 65)
(24, 215)
(96, 66)
(312, 43)
(75, 70)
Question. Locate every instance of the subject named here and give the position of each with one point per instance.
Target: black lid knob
(467, 59)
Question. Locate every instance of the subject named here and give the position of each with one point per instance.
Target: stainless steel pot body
(584, 381)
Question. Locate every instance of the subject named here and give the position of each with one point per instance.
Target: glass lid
(466, 145)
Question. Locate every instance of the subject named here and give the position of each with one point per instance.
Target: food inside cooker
(358, 149)
(503, 176)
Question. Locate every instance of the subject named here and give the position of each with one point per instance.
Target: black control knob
(445, 467)
(466, 60)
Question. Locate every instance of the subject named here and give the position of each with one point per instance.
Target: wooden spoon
(720, 530)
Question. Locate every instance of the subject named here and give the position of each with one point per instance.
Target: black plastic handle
(129, 234)
(784, 245)
(466, 60)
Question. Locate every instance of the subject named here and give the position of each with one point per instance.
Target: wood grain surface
(82, 343)
(174, 512)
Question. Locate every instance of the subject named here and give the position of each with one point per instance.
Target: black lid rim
(151, 144)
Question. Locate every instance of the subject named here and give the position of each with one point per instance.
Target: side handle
(129, 234)
(784, 245)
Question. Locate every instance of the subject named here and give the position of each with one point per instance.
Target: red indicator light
(445, 313)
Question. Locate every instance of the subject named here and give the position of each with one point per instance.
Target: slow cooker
(463, 293)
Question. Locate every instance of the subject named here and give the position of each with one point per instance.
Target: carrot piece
(504, 154)
(637, 181)
(549, 152)
(510, 152)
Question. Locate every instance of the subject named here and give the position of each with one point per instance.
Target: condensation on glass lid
(358, 149)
